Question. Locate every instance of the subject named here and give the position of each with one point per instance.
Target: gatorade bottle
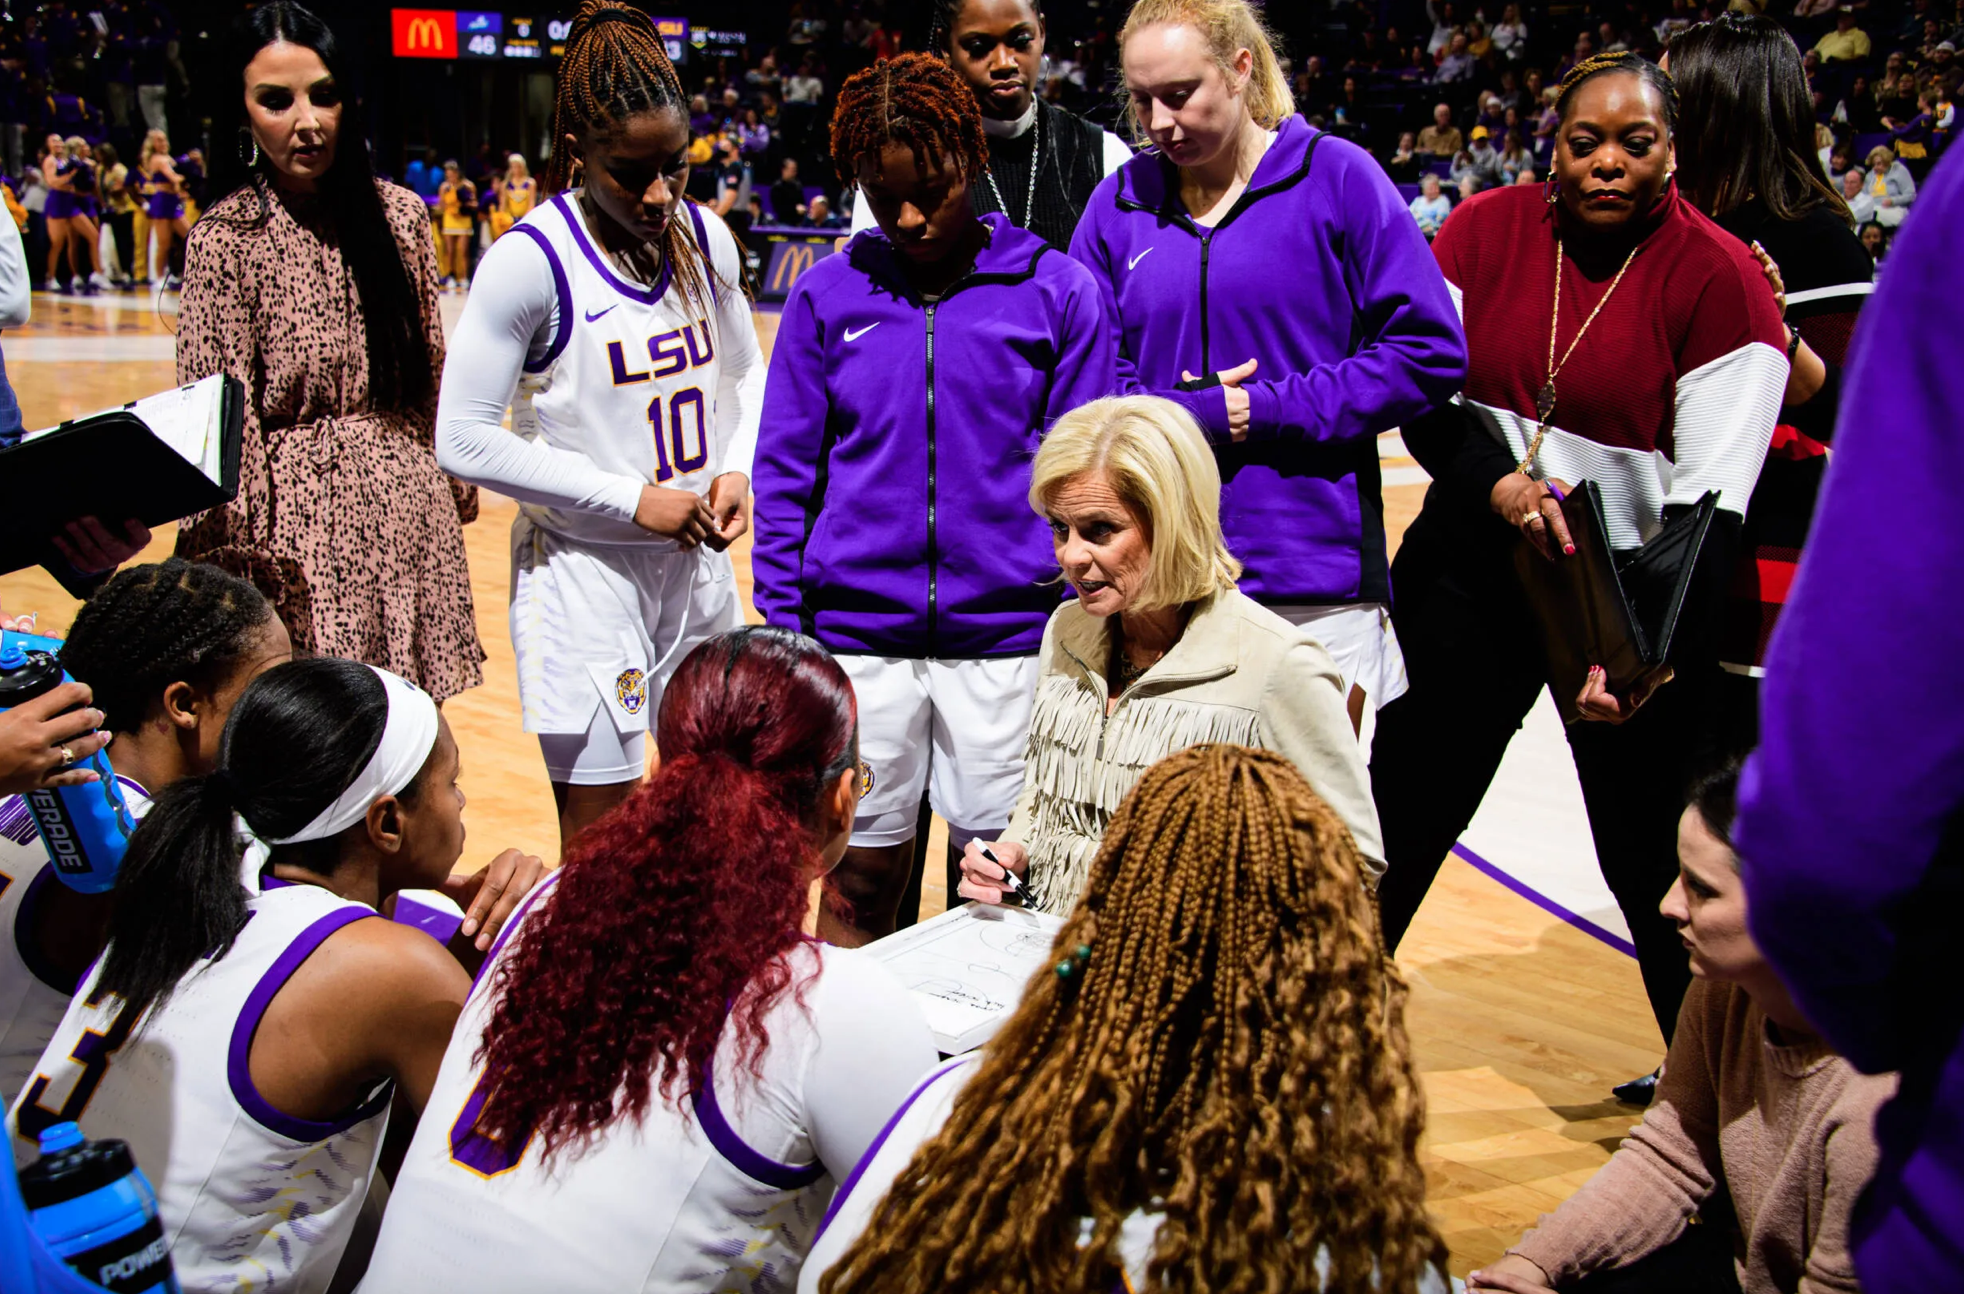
(85, 828)
(94, 1209)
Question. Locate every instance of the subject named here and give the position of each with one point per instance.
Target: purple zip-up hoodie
(1320, 272)
(893, 464)
(1851, 812)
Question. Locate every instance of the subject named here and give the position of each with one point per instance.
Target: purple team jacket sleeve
(1861, 760)
(1412, 351)
(1087, 360)
(789, 447)
(1209, 405)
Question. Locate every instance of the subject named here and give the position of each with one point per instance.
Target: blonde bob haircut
(1228, 26)
(1160, 465)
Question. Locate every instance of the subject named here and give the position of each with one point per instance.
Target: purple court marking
(1542, 901)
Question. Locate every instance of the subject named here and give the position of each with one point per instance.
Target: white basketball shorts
(598, 630)
(955, 728)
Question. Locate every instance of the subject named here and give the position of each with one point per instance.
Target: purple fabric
(1849, 811)
(752, 1163)
(1321, 274)
(27, 945)
(440, 924)
(562, 290)
(238, 1062)
(893, 517)
(163, 206)
(632, 291)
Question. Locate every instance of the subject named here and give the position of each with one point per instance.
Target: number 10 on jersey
(681, 434)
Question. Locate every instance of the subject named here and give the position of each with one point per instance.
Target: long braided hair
(159, 624)
(1231, 1054)
(615, 68)
(915, 100)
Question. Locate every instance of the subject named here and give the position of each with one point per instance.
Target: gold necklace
(1544, 399)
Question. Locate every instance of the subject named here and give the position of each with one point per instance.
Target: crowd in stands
(86, 92)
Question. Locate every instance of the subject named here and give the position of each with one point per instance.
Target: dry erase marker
(1009, 877)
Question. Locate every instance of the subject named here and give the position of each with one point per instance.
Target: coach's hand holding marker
(680, 515)
(489, 897)
(990, 873)
(1237, 399)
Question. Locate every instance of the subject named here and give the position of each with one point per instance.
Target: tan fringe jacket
(1239, 674)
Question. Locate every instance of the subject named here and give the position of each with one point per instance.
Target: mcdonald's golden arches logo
(424, 33)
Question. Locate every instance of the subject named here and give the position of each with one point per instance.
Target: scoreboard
(469, 34)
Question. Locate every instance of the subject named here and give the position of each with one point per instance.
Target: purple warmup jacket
(893, 465)
(1320, 272)
(1849, 813)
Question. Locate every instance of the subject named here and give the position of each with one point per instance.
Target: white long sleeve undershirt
(511, 317)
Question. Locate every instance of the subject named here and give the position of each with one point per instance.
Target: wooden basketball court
(1521, 1019)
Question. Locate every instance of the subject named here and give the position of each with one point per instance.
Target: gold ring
(67, 755)
(1531, 516)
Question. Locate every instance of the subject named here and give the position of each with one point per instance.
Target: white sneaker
(99, 280)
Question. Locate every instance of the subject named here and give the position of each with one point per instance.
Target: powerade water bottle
(86, 828)
(94, 1209)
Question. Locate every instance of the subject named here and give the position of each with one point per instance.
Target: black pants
(1697, 1262)
(1475, 663)
(122, 228)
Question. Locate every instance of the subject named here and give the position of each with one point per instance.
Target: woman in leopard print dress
(314, 284)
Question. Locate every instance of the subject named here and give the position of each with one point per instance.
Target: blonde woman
(516, 194)
(1158, 652)
(164, 206)
(1268, 277)
(1214, 1091)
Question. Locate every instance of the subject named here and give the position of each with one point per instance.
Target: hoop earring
(247, 137)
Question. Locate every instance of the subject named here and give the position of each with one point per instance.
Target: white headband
(407, 739)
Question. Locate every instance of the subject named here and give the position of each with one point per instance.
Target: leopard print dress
(342, 517)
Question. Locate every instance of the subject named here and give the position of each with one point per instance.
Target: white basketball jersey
(677, 1203)
(33, 995)
(631, 374)
(251, 1199)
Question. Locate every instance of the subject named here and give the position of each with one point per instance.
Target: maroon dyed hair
(680, 902)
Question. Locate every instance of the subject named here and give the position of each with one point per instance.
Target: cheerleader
(615, 314)
(912, 378)
(71, 188)
(164, 201)
(457, 208)
(517, 195)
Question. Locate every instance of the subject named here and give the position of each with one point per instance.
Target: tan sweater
(1239, 673)
(1789, 1130)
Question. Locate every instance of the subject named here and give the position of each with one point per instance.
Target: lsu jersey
(33, 994)
(251, 1198)
(636, 377)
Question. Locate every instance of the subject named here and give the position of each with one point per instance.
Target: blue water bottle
(94, 1209)
(85, 828)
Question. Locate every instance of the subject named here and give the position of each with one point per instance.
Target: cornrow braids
(915, 100)
(159, 624)
(616, 68)
(1621, 61)
(1232, 1056)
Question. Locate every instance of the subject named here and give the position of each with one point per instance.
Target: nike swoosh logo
(591, 315)
(855, 336)
(1136, 259)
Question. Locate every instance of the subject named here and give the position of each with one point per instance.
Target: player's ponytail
(298, 737)
(1228, 27)
(674, 914)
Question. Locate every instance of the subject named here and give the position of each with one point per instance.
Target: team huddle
(1040, 543)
